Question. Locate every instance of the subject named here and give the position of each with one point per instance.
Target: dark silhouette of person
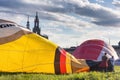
(104, 63)
(111, 64)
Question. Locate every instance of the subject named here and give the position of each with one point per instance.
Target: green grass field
(79, 76)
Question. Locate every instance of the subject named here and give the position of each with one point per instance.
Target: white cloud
(67, 20)
(116, 3)
(46, 8)
(43, 2)
(15, 18)
(100, 1)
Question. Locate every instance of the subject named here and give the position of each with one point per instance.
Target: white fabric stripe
(4, 32)
(100, 55)
(7, 31)
(6, 23)
(113, 52)
(110, 52)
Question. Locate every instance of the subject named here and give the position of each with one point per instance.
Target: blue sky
(68, 22)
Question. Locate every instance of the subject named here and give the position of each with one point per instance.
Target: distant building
(71, 49)
(117, 48)
(28, 23)
(36, 29)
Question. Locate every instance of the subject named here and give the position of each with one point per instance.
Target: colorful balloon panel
(24, 51)
(94, 49)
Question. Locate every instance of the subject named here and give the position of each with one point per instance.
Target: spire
(28, 23)
(36, 28)
(37, 16)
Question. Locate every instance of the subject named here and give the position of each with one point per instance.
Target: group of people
(107, 64)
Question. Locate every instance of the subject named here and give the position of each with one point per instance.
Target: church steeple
(36, 28)
(28, 23)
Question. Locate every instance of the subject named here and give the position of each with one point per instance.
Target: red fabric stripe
(63, 61)
(89, 50)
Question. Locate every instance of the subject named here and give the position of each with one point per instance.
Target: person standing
(111, 62)
(104, 63)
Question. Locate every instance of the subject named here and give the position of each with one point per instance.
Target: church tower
(36, 28)
(28, 23)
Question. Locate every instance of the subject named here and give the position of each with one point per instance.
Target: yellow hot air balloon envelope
(24, 51)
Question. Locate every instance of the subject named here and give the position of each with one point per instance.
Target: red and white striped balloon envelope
(94, 50)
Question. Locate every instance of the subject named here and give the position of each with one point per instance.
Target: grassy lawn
(80, 76)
